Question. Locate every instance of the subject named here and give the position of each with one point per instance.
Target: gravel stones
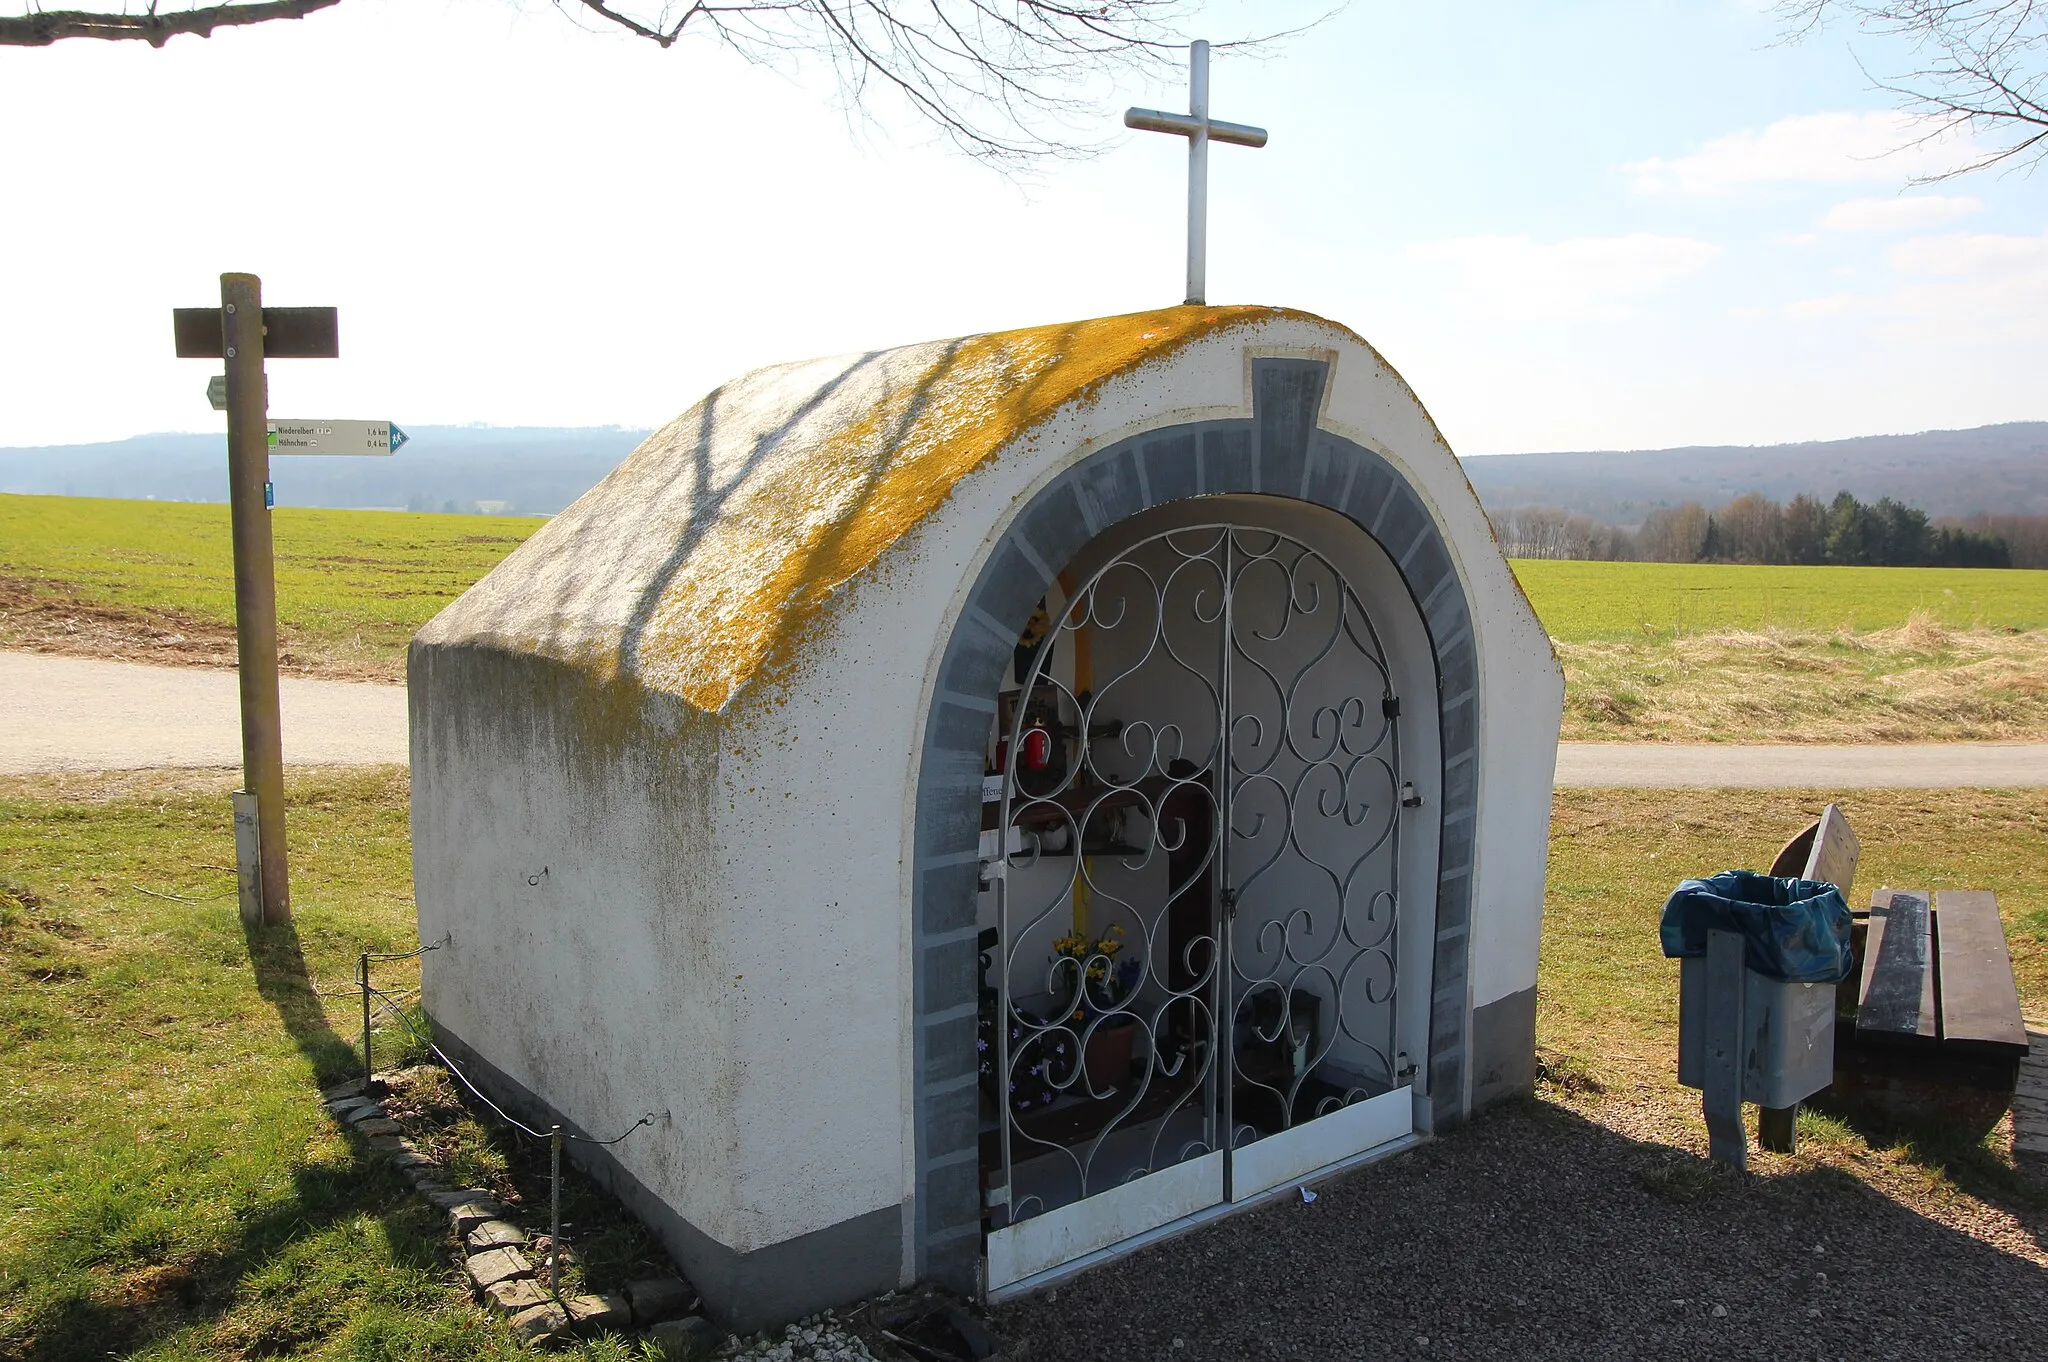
(1536, 1202)
(814, 1338)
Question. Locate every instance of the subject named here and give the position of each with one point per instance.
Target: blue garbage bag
(1795, 930)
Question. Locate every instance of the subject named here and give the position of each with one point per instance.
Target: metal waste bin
(1759, 958)
(1788, 1030)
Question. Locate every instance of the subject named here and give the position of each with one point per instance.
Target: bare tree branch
(997, 78)
(1985, 71)
(1004, 80)
(49, 26)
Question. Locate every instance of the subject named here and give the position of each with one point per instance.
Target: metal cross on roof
(1200, 130)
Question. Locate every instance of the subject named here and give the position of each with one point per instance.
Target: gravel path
(82, 714)
(79, 714)
(1537, 1234)
(1888, 766)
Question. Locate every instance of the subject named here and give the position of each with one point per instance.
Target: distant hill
(538, 471)
(1998, 469)
(532, 470)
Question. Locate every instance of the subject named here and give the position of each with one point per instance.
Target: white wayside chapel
(994, 801)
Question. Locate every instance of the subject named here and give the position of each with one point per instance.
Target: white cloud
(1955, 288)
(1514, 276)
(1825, 148)
(1900, 214)
(1833, 305)
(1966, 253)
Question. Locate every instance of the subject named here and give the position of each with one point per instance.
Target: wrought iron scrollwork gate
(1196, 860)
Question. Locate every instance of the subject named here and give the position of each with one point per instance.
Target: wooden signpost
(244, 333)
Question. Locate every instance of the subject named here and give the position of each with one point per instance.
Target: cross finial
(1200, 130)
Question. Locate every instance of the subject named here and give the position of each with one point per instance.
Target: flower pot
(1107, 1059)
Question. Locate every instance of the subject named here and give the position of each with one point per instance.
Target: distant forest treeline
(1754, 529)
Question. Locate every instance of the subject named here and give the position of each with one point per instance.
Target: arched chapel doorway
(1192, 933)
(1193, 847)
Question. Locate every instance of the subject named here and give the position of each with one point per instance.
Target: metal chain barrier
(554, 1135)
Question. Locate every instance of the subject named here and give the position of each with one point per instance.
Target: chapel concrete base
(1504, 1049)
(743, 1292)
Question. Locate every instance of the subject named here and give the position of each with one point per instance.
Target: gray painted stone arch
(1278, 452)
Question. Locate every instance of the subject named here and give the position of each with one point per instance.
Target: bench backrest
(1825, 851)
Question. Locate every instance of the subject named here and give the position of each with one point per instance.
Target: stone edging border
(664, 1310)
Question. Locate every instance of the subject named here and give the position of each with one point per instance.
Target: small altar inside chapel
(995, 801)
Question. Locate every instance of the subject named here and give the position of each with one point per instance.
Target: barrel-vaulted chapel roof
(695, 564)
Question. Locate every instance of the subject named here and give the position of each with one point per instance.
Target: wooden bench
(1937, 976)
(1937, 1031)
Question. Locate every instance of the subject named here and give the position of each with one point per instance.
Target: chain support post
(555, 1213)
(363, 975)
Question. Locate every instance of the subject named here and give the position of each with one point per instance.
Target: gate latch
(1230, 903)
(1409, 798)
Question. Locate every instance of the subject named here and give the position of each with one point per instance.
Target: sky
(1585, 224)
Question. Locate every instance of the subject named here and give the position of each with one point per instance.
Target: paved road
(77, 714)
(1787, 766)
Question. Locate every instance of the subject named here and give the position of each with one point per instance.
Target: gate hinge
(1230, 903)
(993, 1197)
(1409, 798)
(1406, 1070)
(1390, 705)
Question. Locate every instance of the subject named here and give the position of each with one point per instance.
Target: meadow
(1583, 602)
(1651, 651)
(176, 1191)
(154, 581)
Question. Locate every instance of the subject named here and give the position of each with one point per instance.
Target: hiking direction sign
(334, 437)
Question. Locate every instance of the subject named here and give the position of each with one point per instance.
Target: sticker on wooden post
(248, 860)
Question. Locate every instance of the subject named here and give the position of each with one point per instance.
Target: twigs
(995, 77)
(181, 898)
(1986, 68)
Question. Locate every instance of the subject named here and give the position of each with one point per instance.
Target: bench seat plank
(1896, 1002)
(1980, 1004)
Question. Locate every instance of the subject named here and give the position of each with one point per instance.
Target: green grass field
(352, 586)
(1585, 602)
(1652, 651)
(360, 582)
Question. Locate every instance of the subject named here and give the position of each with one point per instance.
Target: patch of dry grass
(1919, 682)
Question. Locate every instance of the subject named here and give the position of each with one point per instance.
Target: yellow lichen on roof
(802, 529)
